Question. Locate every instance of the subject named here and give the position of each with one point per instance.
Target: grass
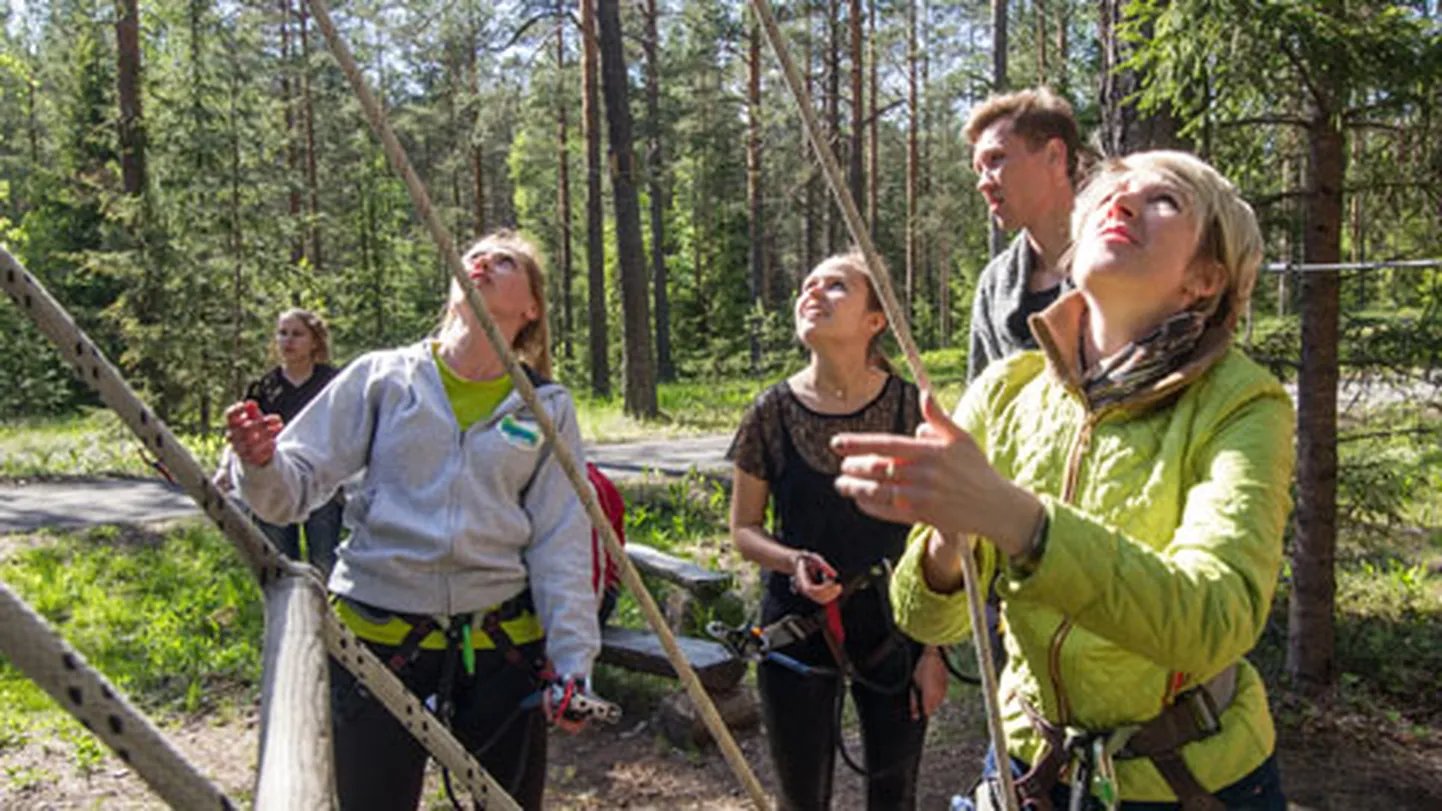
(173, 619)
(89, 444)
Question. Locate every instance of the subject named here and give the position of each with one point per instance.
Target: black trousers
(379, 766)
(801, 713)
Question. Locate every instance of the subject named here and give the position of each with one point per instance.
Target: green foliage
(173, 619)
(93, 443)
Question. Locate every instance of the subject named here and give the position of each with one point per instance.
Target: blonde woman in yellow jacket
(1125, 489)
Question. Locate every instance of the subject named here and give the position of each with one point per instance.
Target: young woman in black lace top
(821, 546)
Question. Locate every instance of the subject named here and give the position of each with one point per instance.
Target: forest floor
(1345, 763)
(1345, 752)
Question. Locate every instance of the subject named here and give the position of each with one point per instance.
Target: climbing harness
(764, 643)
(458, 637)
(1092, 754)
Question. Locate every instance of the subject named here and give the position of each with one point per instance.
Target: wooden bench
(719, 670)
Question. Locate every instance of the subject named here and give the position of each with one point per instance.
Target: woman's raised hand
(939, 477)
(251, 433)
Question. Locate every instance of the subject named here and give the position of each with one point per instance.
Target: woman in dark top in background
(302, 345)
(822, 545)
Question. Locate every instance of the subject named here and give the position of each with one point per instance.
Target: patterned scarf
(1145, 361)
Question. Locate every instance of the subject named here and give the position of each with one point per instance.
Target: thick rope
(45, 658)
(881, 278)
(564, 455)
(265, 560)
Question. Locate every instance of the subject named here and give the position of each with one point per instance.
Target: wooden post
(296, 765)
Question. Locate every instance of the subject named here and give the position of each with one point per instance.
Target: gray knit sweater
(1001, 307)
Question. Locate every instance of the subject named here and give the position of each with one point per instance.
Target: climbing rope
(265, 561)
(881, 278)
(564, 455)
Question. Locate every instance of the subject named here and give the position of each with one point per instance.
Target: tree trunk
(856, 156)
(312, 180)
(1063, 19)
(1311, 645)
(476, 154)
(237, 257)
(1124, 128)
(755, 229)
(655, 176)
(595, 233)
(833, 117)
(563, 191)
(292, 148)
(131, 124)
(1041, 67)
(998, 85)
(808, 227)
(913, 124)
(873, 158)
(630, 253)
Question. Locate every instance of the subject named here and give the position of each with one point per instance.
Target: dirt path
(72, 504)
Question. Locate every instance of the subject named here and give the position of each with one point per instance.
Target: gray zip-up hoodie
(444, 522)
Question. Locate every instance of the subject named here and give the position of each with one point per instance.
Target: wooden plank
(296, 769)
(641, 651)
(700, 581)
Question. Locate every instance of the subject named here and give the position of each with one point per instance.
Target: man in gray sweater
(1024, 151)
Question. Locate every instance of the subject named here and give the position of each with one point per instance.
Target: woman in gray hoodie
(469, 562)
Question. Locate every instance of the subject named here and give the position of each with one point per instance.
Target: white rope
(265, 560)
(46, 659)
(881, 278)
(564, 455)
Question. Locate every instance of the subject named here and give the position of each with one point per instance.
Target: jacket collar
(1058, 333)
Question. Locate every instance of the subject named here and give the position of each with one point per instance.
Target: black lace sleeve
(910, 407)
(750, 449)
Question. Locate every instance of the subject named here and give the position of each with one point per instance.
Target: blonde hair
(533, 342)
(319, 332)
(855, 260)
(1228, 236)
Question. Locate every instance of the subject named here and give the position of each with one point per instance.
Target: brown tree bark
(873, 141)
(563, 192)
(998, 85)
(595, 229)
(1123, 128)
(312, 179)
(856, 154)
(1041, 63)
(655, 171)
(809, 229)
(1311, 648)
(292, 147)
(1063, 19)
(476, 154)
(832, 108)
(131, 123)
(755, 228)
(913, 125)
(640, 365)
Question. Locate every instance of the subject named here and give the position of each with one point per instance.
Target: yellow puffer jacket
(1164, 543)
